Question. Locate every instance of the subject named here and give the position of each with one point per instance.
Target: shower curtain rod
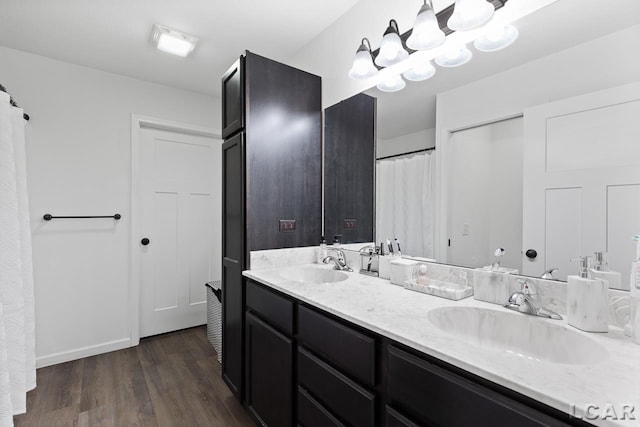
(424, 150)
(13, 103)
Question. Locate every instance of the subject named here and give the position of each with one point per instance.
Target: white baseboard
(79, 353)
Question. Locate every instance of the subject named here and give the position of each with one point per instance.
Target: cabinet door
(233, 262)
(269, 373)
(284, 155)
(233, 99)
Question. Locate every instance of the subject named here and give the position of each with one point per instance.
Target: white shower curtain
(17, 320)
(405, 202)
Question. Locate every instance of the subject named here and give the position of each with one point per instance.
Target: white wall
(406, 143)
(598, 64)
(78, 148)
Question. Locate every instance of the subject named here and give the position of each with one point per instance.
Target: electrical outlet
(287, 225)
(349, 224)
(465, 229)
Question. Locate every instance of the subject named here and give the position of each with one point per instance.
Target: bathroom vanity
(360, 351)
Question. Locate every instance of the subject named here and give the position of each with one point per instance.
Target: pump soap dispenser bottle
(634, 318)
(587, 300)
(601, 271)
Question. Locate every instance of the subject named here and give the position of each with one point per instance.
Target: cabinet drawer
(433, 396)
(276, 310)
(350, 351)
(395, 419)
(313, 414)
(345, 399)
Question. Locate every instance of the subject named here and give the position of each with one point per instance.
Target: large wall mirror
(536, 147)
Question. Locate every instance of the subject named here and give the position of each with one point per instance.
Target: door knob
(531, 253)
(145, 241)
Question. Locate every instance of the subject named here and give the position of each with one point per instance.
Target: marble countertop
(402, 315)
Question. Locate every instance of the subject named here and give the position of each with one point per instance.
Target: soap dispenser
(601, 271)
(322, 250)
(587, 300)
(634, 318)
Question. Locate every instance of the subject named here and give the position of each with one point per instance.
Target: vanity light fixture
(363, 67)
(392, 84)
(470, 14)
(172, 41)
(427, 41)
(454, 56)
(496, 38)
(391, 49)
(426, 33)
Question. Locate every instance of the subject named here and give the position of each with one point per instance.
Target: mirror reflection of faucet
(548, 274)
(498, 254)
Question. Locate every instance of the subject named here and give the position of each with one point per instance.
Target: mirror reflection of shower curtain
(405, 192)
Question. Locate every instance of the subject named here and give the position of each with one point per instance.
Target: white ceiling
(113, 35)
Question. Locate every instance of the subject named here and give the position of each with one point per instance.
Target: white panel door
(180, 208)
(581, 176)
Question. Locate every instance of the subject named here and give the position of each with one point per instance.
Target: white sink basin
(315, 275)
(525, 336)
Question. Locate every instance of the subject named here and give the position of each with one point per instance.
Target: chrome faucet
(549, 274)
(524, 302)
(339, 262)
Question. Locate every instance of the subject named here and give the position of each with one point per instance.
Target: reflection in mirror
(553, 61)
(485, 200)
(349, 152)
(405, 194)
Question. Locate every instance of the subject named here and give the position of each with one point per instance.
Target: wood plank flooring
(170, 380)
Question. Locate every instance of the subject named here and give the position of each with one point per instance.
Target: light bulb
(454, 56)
(391, 50)
(496, 38)
(470, 14)
(426, 33)
(392, 84)
(419, 72)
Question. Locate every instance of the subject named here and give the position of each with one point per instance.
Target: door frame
(139, 122)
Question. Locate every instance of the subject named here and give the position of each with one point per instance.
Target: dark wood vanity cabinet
(272, 180)
(309, 368)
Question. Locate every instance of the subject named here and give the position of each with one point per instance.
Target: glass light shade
(363, 67)
(470, 14)
(496, 38)
(391, 50)
(426, 33)
(392, 84)
(419, 72)
(454, 56)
